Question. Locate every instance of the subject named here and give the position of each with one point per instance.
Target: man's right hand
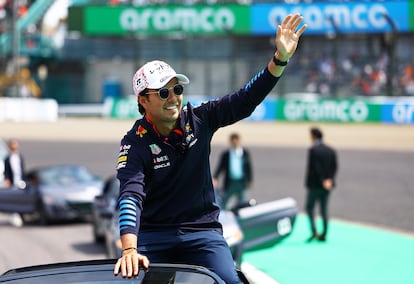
(129, 263)
(327, 184)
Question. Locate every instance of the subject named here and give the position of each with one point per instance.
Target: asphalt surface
(33, 244)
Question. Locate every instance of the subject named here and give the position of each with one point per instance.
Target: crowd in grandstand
(355, 75)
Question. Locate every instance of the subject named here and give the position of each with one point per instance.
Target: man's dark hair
(140, 107)
(234, 136)
(316, 132)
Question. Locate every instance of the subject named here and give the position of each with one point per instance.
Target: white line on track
(256, 276)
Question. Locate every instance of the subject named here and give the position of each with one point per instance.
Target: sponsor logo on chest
(159, 161)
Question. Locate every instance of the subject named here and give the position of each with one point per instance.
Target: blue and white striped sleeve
(129, 215)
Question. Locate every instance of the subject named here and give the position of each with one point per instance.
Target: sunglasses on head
(163, 93)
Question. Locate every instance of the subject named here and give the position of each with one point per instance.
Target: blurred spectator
(319, 180)
(407, 80)
(13, 165)
(14, 175)
(235, 164)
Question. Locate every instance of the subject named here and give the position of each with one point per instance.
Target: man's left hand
(287, 36)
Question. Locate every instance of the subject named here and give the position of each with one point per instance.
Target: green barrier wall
(355, 110)
(339, 110)
(125, 108)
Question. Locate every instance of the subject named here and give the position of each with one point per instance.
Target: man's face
(162, 111)
(313, 138)
(13, 146)
(235, 142)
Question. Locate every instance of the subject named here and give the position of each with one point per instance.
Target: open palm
(287, 36)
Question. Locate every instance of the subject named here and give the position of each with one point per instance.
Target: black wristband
(129, 248)
(278, 62)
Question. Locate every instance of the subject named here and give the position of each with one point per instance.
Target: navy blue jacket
(165, 182)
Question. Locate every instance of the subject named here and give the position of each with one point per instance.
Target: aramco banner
(168, 19)
(331, 110)
(232, 19)
(349, 110)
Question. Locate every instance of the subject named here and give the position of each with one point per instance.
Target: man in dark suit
(14, 175)
(236, 166)
(13, 165)
(321, 169)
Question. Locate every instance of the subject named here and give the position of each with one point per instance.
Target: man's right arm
(131, 175)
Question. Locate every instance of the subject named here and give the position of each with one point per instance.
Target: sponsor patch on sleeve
(123, 156)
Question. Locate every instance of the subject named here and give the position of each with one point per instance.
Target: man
(166, 190)
(14, 175)
(236, 166)
(13, 165)
(321, 169)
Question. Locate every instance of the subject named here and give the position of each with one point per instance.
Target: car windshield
(65, 175)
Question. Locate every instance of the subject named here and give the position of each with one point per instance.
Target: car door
(101, 271)
(266, 224)
(18, 200)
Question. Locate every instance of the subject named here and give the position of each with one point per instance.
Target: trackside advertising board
(399, 111)
(255, 19)
(348, 17)
(166, 19)
(331, 110)
(352, 110)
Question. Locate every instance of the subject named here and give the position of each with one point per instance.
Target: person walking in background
(14, 175)
(167, 205)
(322, 166)
(235, 164)
(13, 165)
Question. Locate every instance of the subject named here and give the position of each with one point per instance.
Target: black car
(247, 227)
(101, 271)
(62, 192)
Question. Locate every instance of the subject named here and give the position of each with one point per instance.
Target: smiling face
(162, 113)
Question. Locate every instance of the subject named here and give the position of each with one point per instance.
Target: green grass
(353, 254)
